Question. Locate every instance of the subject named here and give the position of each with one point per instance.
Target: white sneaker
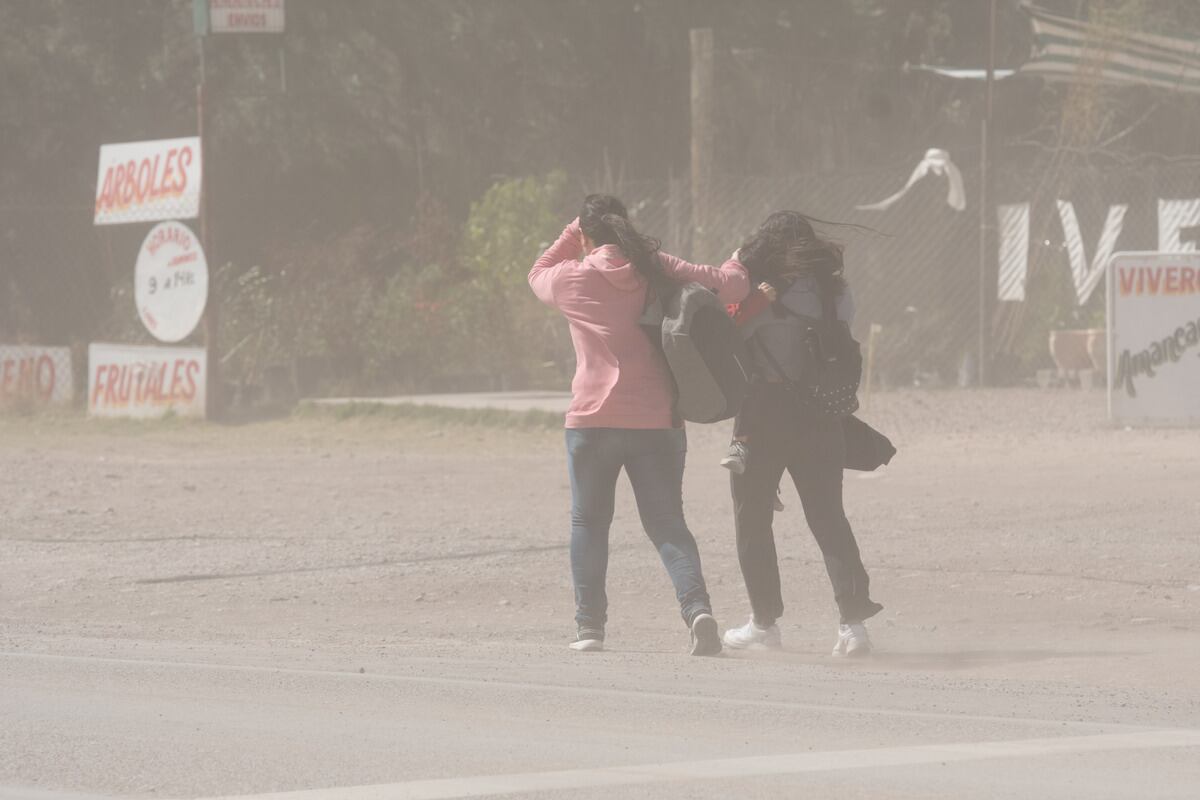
(752, 637)
(853, 641)
(588, 641)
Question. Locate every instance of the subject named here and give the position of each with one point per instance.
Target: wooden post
(212, 379)
(702, 140)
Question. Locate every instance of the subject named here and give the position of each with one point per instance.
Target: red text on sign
(140, 182)
(1158, 281)
(30, 377)
(160, 383)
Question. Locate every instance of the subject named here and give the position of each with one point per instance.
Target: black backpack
(833, 368)
(704, 352)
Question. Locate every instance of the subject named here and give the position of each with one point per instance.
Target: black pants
(812, 449)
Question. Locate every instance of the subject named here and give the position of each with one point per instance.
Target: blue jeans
(653, 459)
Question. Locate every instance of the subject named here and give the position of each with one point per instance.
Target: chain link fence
(915, 267)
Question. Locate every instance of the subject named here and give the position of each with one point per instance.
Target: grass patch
(532, 419)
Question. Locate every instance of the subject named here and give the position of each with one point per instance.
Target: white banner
(1154, 338)
(1014, 251)
(1174, 217)
(1087, 277)
(246, 16)
(38, 374)
(134, 381)
(148, 181)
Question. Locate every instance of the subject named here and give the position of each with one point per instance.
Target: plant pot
(1069, 349)
(1097, 347)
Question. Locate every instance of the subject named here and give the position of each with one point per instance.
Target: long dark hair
(786, 246)
(605, 221)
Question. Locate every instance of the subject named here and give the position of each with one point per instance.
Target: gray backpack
(703, 350)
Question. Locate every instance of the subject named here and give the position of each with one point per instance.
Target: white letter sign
(1174, 217)
(1014, 251)
(1087, 278)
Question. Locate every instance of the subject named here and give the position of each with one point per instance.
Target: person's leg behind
(593, 463)
(654, 461)
(817, 471)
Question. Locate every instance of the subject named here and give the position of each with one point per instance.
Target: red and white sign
(145, 382)
(38, 374)
(1154, 338)
(148, 181)
(170, 281)
(246, 16)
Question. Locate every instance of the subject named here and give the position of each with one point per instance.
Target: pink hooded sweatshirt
(621, 380)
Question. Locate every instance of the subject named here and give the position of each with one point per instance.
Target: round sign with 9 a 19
(171, 281)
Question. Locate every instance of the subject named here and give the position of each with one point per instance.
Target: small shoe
(853, 641)
(778, 501)
(589, 640)
(735, 459)
(706, 637)
(751, 637)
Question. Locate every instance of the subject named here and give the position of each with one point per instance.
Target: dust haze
(285, 506)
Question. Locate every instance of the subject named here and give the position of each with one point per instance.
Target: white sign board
(145, 382)
(38, 374)
(170, 281)
(148, 181)
(1154, 338)
(246, 16)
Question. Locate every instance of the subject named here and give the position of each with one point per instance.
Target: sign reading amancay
(246, 16)
(148, 181)
(1154, 338)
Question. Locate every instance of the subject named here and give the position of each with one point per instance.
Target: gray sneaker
(706, 637)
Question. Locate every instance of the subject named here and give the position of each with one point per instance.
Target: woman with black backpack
(792, 421)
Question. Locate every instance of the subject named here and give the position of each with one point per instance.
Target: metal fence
(915, 267)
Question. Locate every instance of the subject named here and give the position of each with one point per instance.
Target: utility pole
(702, 139)
(987, 219)
(212, 379)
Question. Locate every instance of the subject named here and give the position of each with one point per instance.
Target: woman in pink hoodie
(598, 274)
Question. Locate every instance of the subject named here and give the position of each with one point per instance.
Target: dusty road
(370, 609)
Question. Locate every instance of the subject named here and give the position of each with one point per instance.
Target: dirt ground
(1028, 554)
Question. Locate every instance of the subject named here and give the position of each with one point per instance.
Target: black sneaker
(706, 638)
(735, 459)
(589, 640)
